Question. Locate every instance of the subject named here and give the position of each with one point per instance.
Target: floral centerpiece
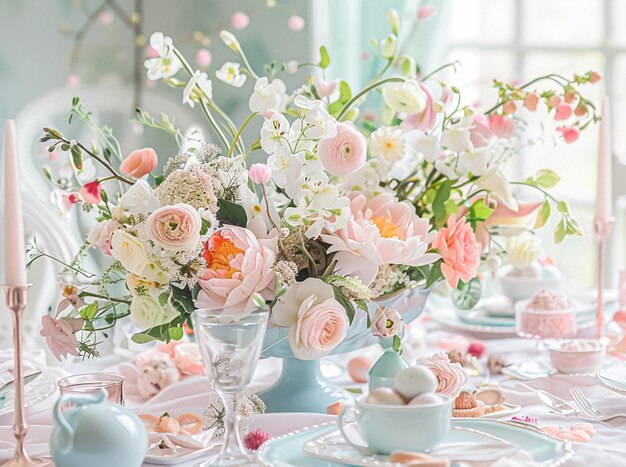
(348, 207)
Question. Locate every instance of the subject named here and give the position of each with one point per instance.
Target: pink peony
(260, 173)
(480, 132)
(59, 334)
(344, 153)
(502, 126)
(188, 360)
(570, 133)
(238, 265)
(450, 376)
(382, 230)
(175, 227)
(459, 251)
(387, 322)
(139, 162)
(424, 120)
(90, 192)
(100, 235)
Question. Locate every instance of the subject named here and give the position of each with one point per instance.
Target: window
(518, 39)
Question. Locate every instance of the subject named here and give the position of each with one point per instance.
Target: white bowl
(522, 288)
(577, 355)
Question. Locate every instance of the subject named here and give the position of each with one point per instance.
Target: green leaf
(47, 173)
(388, 46)
(175, 333)
(362, 305)
(89, 312)
(573, 227)
(231, 213)
(77, 157)
(559, 232)
(141, 338)
(434, 274)
(408, 67)
(546, 179)
(467, 294)
(163, 298)
(324, 58)
(206, 225)
(563, 207)
(345, 94)
(182, 300)
(158, 180)
(478, 212)
(544, 215)
(355, 390)
(443, 194)
(344, 302)
(397, 343)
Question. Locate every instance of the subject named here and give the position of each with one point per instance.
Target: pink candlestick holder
(602, 228)
(16, 298)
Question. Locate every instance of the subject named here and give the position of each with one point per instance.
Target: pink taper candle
(604, 186)
(14, 265)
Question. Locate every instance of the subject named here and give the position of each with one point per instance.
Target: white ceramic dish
(613, 377)
(577, 355)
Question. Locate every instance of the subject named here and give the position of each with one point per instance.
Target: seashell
(490, 396)
(414, 381)
(385, 396)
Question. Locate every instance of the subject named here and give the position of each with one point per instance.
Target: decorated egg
(414, 381)
(428, 398)
(384, 396)
(358, 369)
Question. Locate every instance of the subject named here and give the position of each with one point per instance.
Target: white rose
(146, 311)
(129, 251)
(139, 199)
(407, 97)
(268, 97)
(154, 272)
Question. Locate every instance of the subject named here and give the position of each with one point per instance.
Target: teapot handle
(78, 400)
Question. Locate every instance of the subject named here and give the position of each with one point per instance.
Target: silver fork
(587, 409)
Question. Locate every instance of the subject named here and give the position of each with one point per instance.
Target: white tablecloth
(606, 448)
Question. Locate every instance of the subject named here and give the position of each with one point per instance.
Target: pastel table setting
(373, 292)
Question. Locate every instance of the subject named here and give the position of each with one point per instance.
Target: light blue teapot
(96, 434)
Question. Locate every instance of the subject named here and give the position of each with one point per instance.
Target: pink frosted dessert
(548, 314)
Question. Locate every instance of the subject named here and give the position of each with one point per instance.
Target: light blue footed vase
(301, 386)
(383, 372)
(95, 433)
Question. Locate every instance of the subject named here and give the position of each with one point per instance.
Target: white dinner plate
(613, 376)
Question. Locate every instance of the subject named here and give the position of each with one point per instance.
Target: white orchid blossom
(230, 74)
(167, 63)
(268, 97)
(201, 81)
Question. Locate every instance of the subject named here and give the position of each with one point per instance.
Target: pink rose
(238, 265)
(317, 322)
(344, 153)
(570, 133)
(59, 334)
(100, 235)
(175, 227)
(502, 126)
(459, 251)
(424, 120)
(188, 360)
(260, 173)
(387, 322)
(90, 192)
(480, 132)
(139, 162)
(381, 230)
(450, 376)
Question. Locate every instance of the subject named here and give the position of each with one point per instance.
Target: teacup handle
(343, 420)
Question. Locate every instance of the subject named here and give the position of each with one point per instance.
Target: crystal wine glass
(230, 352)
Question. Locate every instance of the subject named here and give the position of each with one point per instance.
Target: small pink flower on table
(59, 335)
(238, 265)
(344, 153)
(139, 162)
(450, 376)
(90, 192)
(260, 173)
(459, 251)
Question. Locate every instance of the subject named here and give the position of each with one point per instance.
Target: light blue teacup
(388, 428)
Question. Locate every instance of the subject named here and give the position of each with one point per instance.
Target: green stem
(365, 91)
(243, 125)
(104, 163)
(382, 72)
(104, 297)
(437, 70)
(218, 130)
